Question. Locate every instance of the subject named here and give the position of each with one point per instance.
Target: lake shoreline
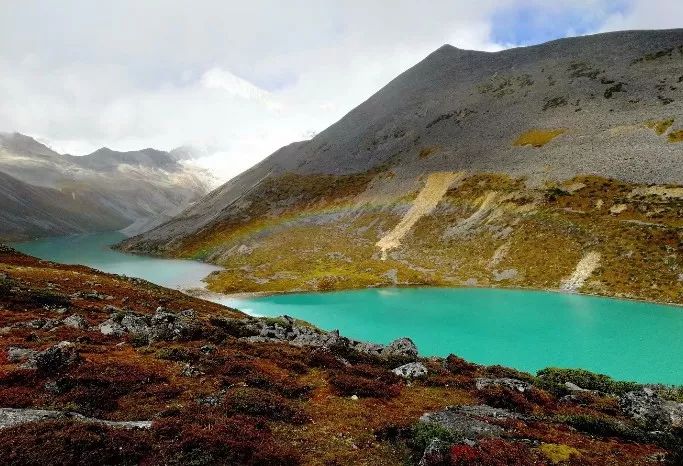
(259, 294)
(522, 327)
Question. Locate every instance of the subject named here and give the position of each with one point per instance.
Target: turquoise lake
(527, 330)
(94, 251)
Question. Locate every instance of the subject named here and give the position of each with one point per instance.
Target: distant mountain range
(551, 166)
(45, 193)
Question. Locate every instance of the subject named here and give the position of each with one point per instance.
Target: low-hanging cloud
(238, 80)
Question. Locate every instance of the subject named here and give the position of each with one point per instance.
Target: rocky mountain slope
(552, 166)
(46, 193)
(104, 369)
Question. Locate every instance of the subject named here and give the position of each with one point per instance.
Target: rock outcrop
(469, 422)
(412, 370)
(10, 417)
(651, 411)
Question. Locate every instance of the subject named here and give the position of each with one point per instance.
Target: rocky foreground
(104, 369)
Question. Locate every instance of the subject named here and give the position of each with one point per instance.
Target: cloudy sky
(240, 79)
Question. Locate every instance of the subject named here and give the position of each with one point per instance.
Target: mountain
(47, 193)
(551, 166)
(29, 210)
(107, 369)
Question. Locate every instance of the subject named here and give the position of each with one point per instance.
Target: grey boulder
(412, 370)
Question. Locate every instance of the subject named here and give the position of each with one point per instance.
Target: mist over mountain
(46, 193)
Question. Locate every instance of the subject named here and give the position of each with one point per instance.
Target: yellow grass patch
(660, 126)
(676, 136)
(558, 453)
(427, 151)
(537, 137)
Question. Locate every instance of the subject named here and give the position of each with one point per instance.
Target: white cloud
(647, 14)
(239, 79)
(217, 78)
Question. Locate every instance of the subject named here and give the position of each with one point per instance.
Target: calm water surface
(528, 330)
(94, 251)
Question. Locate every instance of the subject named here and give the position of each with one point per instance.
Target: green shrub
(497, 371)
(602, 426)
(552, 378)
(424, 432)
(676, 136)
(671, 393)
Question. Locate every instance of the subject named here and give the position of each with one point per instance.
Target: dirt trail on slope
(584, 269)
(427, 199)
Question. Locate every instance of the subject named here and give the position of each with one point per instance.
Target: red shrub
(209, 437)
(365, 381)
(97, 388)
(255, 402)
(324, 358)
(498, 452)
(63, 442)
(500, 397)
(457, 365)
(463, 455)
(17, 397)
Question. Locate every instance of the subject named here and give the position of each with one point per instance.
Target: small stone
(75, 321)
(574, 388)
(16, 354)
(111, 328)
(512, 384)
(354, 397)
(208, 349)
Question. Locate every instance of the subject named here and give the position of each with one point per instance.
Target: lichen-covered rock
(512, 384)
(38, 324)
(650, 410)
(135, 324)
(24, 355)
(10, 417)
(412, 370)
(189, 370)
(75, 321)
(403, 348)
(166, 326)
(469, 422)
(373, 349)
(111, 328)
(312, 337)
(57, 358)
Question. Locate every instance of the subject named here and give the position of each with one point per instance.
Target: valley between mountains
(557, 166)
